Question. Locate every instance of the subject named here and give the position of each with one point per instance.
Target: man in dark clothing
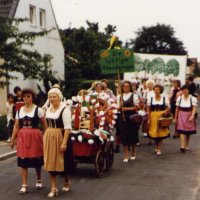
(192, 86)
(18, 101)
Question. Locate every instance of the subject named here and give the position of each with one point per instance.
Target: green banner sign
(116, 60)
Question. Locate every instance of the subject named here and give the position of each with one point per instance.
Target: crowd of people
(42, 135)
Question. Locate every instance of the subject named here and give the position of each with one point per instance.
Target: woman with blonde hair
(57, 145)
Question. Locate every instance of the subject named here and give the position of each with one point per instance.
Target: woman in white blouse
(57, 146)
(128, 105)
(185, 117)
(29, 138)
(157, 105)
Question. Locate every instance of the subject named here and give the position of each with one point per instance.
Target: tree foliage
(82, 49)
(14, 51)
(172, 67)
(158, 39)
(158, 65)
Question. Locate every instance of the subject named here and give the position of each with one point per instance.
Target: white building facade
(41, 15)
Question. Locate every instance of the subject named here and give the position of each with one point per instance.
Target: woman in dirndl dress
(29, 138)
(157, 106)
(185, 117)
(57, 144)
(127, 103)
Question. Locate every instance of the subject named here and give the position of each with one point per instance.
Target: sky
(131, 15)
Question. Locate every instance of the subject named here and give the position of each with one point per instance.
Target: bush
(3, 128)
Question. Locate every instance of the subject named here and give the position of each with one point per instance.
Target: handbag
(165, 121)
(136, 118)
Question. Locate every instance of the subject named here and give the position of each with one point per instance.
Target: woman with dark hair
(185, 117)
(157, 105)
(173, 96)
(128, 105)
(29, 138)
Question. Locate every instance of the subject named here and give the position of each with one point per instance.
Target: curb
(8, 155)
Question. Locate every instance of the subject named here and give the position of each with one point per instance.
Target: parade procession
(85, 114)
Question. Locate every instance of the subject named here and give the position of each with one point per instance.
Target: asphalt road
(172, 176)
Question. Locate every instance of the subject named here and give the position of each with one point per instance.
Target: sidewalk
(6, 151)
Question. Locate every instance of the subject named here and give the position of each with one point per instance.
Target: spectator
(192, 86)
(10, 117)
(18, 100)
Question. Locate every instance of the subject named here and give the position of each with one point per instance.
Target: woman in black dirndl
(29, 138)
(128, 104)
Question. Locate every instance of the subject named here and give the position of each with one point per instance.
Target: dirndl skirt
(184, 126)
(56, 161)
(155, 131)
(30, 148)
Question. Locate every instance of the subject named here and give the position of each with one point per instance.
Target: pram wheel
(99, 163)
(109, 156)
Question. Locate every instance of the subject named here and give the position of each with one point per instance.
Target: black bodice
(188, 109)
(29, 122)
(56, 123)
(129, 103)
(158, 107)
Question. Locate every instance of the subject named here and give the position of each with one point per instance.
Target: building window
(33, 15)
(42, 18)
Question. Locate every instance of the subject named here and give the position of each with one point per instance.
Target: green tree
(172, 67)
(158, 65)
(16, 57)
(147, 65)
(83, 46)
(138, 64)
(158, 39)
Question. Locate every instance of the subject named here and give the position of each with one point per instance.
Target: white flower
(93, 101)
(69, 102)
(111, 126)
(101, 123)
(111, 101)
(103, 96)
(80, 99)
(74, 99)
(114, 111)
(97, 132)
(114, 116)
(97, 105)
(80, 138)
(103, 118)
(113, 122)
(87, 98)
(88, 132)
(114, 105)
(72, 138)
(141, 112)
(112, 138)
(101, 113)
(73, 117)
(91, 141)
